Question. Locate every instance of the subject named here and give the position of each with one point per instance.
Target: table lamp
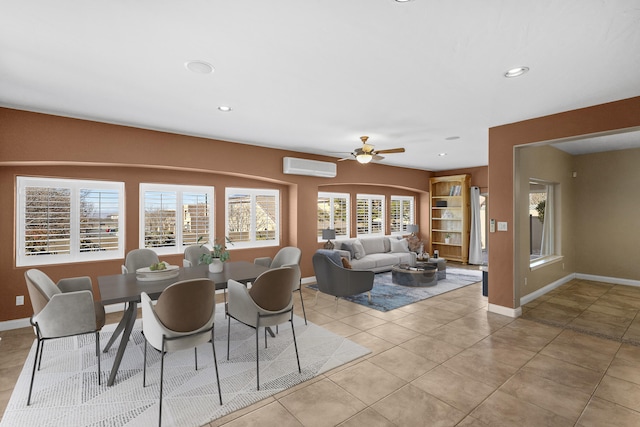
(328, 234)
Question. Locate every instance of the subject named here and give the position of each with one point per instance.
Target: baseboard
(605, 279)
(505, 311)
(551, 286)
(308, 280)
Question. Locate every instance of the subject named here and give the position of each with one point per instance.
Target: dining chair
(62, 310)
(289, 256)
(269, 302)
(192, 255)
(182, 318)
(139, 258)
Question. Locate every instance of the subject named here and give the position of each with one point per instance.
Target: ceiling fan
(366, 153)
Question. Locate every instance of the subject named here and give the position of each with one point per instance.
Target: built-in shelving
(450, 216)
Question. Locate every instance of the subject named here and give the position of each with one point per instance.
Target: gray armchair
(289, 256)
(333, 279)
(62, 310)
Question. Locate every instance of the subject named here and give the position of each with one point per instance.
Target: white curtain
(475, 240)
(547, 244)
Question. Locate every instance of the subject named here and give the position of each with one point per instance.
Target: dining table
(127, 288)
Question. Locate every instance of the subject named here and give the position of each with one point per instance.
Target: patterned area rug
(386, 296)
(66, 390)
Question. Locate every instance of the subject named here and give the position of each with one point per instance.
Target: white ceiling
(315, 75)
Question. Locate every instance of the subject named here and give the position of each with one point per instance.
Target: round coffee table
(420, 276)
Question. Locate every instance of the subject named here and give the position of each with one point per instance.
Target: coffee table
(418, 276)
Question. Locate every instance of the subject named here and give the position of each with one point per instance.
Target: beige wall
(603, 118)
(607, 206)
(554, 166)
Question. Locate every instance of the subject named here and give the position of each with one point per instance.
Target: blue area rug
(386, 296)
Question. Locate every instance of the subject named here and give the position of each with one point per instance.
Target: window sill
(543, 262)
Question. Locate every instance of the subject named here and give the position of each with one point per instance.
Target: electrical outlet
(20, 300)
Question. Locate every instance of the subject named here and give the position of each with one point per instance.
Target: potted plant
(216, 256)
(447, 238)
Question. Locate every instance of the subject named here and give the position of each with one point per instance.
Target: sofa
(375, 254)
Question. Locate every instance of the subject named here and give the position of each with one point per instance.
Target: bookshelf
(450, 216)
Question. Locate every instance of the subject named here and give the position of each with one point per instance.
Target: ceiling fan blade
(377, 157)
(346, 158)
(392, 150)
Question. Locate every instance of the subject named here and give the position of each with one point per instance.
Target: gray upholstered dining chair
(192, 255)
(139, 258)
(62, 310)
(269, 302)
(289, 256)
(182, 318)
(333, 279)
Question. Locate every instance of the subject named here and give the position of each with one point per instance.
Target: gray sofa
(376, 254)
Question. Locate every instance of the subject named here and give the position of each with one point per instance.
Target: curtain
(547, 244)
(475, 240)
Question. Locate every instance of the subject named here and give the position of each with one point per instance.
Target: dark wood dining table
(126, 288)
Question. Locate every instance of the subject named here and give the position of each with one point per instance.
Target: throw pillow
(348, 247)
(358, 249)
(346, 263)
(401, 245)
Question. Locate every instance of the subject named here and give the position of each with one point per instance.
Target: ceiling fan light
(364, 158)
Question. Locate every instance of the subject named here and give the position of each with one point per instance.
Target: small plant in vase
(447, 238)
(216, 256)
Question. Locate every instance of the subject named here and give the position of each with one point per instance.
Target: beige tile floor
(446, 361)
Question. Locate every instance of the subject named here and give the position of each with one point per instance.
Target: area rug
(386, 296)
(66, 390)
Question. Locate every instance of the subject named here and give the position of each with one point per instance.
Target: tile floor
(446, 361)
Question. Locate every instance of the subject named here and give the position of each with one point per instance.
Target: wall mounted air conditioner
(293, 166)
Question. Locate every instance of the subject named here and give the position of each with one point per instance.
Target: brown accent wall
(35, 144)
(607, 117)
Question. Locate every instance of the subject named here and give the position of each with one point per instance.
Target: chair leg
(161, 379)
(295, 344)
(302, 303)
(228, 335)
(98, 355)
(265, 337)
(257, 359)
(336, 309)
(195, 350)
(144, 365)
(369, 296)
(215, 363)
(40, 358)
(33, 372)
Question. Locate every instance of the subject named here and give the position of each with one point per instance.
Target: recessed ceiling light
(516, 72)
(402, 1)
(452, 138)
(199, 67)
(442, 154)
(224, 108)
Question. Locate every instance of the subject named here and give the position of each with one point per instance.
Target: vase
(447, 240)
(216, 266)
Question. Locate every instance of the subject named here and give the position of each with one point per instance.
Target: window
(175, 216)
(401, 213)
(66, 220)
(253, 217)
(369, 214)
(542, 218)
(333, 212)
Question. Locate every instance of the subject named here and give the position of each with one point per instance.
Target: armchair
(182, 318)
(269, 302)
(334, 279)
(62, 310)
(288, 256)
